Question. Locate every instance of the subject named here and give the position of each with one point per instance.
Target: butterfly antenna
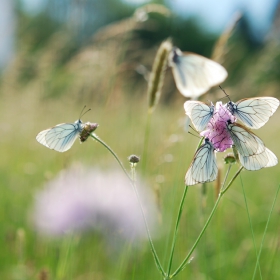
(210, 102)
(193, 129)
(222, 98)
(82, 112)
(194, 135)
(225, 92)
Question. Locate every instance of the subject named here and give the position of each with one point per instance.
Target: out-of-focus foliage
(68, 59)
(50, 80)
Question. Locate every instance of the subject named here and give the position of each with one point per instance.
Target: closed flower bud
(133, 159)
(229, 159)
(87, 130)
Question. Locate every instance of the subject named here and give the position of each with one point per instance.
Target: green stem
(95, 137)
(251, 226)
(222, 192)
(176, 230)
(65, 248)
(229, 168)
(264, 234)
(178, 222)
(156, 258)
(199, 143)
(232, 180)
(146, 141)
(184, 262)
(146, 223)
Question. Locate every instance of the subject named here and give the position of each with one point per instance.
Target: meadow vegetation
(42, 88)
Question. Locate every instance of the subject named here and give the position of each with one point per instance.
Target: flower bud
(229, 159)
(133, 159)
(87, 130)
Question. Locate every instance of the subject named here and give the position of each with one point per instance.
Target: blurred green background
(65, 58)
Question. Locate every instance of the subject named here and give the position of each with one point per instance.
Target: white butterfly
(254, 112)
(256, 162)
(195, 74)
(203, 167)
(246, 142)
(60, 137)
(199, 112)
(252, 153)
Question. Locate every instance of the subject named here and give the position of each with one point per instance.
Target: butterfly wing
(195, 74)
(246, 142)
(41, 137)
(256, 162)
(199, 112)
(60, 137)
(203, 167)
(254, 112)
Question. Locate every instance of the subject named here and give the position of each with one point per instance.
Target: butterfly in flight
(195, 74)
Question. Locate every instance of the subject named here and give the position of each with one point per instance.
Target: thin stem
(146, 141)
(229, 168)
(184, 262)
(222, 192)
(95, 137)
(199, 143)
(159, 266)
(232, 180)
(65, 248)
(178, 222)
(264, 234)
(251, 226)
(176, 230)
(156, 258)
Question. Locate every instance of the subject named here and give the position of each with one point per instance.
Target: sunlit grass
(225, 252)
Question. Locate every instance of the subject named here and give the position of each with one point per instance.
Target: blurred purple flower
(217, 131)
(89, 199)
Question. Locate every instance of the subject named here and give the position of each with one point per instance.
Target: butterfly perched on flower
(204, 166)
(221, 131)
(195, 74)
(62, 136)
(252, 112)
(252, 153)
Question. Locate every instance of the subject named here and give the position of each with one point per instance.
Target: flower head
(88, 128)
(82, 199)
(223, 132)
(217, 131)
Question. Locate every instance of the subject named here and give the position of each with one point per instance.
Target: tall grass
(119, 105)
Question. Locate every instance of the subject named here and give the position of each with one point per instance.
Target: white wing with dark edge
(254, 112)
(256, 162)
(246, 142)
(60, 137)
(195, 74)
(203, 167)
(199, 112)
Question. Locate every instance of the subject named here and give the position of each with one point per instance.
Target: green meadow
(47, 86)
